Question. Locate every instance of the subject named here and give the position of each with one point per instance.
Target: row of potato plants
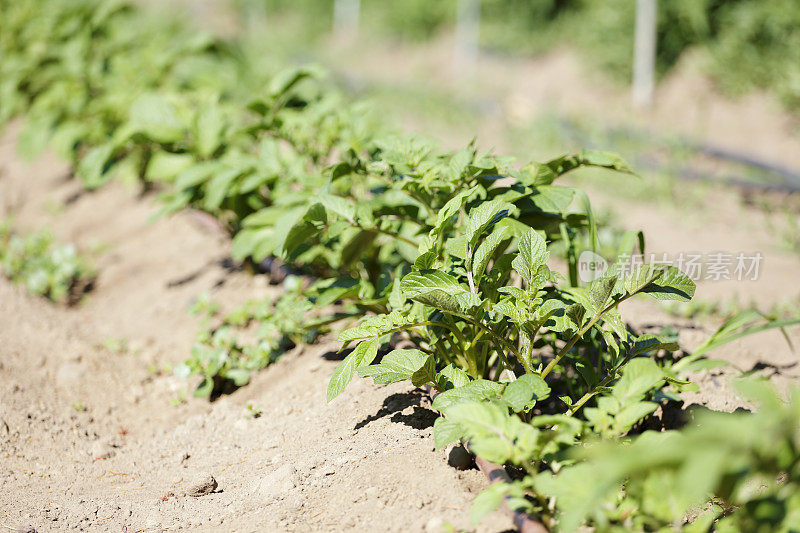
(448, 252)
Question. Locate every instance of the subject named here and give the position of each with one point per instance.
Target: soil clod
(101, 450)
(204, 484)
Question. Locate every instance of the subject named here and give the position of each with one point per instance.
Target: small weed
(53, 207)
(204, 306)
(179, 398)
(254, 411)
(227, 354)
(43, 266)
(117, 345)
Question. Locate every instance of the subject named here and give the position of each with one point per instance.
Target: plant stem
(605, 381)
(575, 338)
(586, 397)
(497, 337)
(395, 235)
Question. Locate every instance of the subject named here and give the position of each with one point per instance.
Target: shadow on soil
(420, 417)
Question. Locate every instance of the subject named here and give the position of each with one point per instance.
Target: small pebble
(101, 450)
(434, 525)
(204, 484)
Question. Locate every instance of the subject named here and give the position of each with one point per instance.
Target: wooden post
(467, 33)
(644, 53)
(345, 20)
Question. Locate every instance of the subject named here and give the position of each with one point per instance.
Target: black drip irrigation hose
(788, 178)
(524, 522)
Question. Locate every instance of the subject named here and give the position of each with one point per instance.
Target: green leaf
(487, 501)
(239, 376)
(156, 117)
(487, 250)
(614, 320)
(340, 169)
(631, 414)
(34, 136)
(249, 240)
(92, 169)
(532, 255)
(639, 376)
(375, 326)
(609, 160)
(480, 389)
(439, 290)
(165, 166)
(195, 174)
(217, 188)
(338, 205)
(600, 293)
(449, 209)
(336, 289)
(362, 355)
(452, 377)
(552, 198)
(648, 343)
(445, 432)
(525, 391)
(354, 250)
(672, 285)
(300, 234)
(425, 374)
(535, 174)
(483, 216)
(205, 388)
(287, 78)
(493, 434)
(209, 125)
(661, 282)
(399, 365)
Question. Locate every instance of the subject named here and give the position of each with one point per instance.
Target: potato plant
(528, 369)
(723, 472)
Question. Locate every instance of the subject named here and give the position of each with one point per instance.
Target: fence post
(644, 53)
(345, 19)
(467, 33)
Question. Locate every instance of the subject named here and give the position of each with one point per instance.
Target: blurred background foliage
(744, 44)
